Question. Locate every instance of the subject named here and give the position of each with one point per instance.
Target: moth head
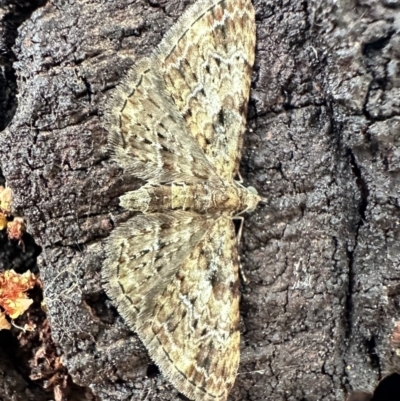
(251, 199)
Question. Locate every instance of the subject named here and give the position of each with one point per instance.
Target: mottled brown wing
(206, 61)
(147, 134)
(145, 253)
(190, 324)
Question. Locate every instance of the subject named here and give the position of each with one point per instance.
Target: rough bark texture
(322, 259)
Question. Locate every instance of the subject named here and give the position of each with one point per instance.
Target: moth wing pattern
(147, 135)
(146, 251)
(190, 325)
(179, 117)
(206, 62)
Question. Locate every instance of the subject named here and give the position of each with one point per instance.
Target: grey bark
(321, 259)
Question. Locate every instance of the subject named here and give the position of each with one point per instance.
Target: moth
(177, 122)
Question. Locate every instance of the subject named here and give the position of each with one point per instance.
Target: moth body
(228, 198)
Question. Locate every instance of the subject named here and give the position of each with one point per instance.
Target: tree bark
(321, 258)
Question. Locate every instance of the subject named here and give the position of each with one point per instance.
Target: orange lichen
(3, 221)
(5, 200)
(13, 298)
(16, 228)
(5, 206)
(4, 323)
